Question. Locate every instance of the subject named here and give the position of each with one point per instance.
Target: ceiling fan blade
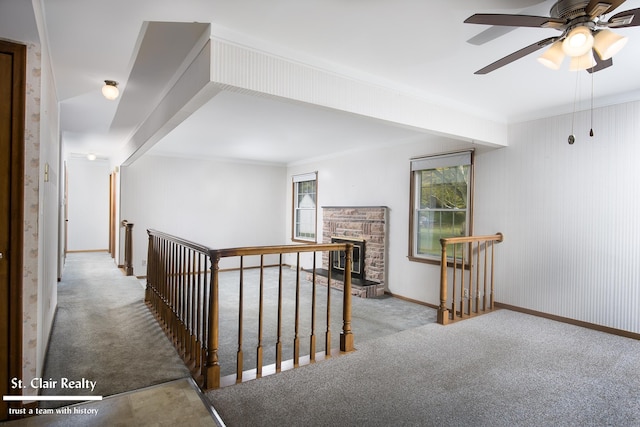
(628, 18)
(514, 20)
(516, 55)
(600, 7)
(534, 7)
(600, 64)
(489, 34)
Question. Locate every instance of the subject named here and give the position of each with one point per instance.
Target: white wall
(50, 180)
(569, 214)
(88, 201)
(380, 177)
(214, 203)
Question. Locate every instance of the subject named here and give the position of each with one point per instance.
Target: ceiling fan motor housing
(569, 9)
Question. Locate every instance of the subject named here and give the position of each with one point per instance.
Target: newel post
(212, 367)
(443, 313)
(128, 247)
(346, 338)
(151, 271)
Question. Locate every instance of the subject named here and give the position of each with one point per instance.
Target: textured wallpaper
(31, 209)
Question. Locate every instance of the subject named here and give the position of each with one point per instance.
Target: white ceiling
(417, 46)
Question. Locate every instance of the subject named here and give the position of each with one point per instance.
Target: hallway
(105, 337)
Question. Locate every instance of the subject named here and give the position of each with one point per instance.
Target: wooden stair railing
(475, 295)
(183, 292)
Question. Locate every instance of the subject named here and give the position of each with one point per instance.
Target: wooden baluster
(453, 282)
(470, 296)
(170, 289)
(462, 246)
(212, 377)
(477, 293)
(260, 320)
(491, 296)
(179, 299)
(169, 294)
(484, 292)
(279, 328)
(296, 339)
(185, 302)
(239, 356)
(202, 308)
(443, 313)
(312, 338)
(174, 294)
(198, 313)
(189, 302)
(161, 279)
(327, 335)
(168, 310)
(346, 338)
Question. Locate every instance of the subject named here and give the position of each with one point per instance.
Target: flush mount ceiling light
(584, 31)
(91, 156)
(110, 89)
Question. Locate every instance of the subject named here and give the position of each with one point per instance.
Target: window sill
(310, 242)
(424, 260)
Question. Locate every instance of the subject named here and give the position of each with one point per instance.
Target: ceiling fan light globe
(584, 62)
(578, 42)
(553, 57)
(607, 43)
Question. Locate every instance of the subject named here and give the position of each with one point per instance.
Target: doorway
(12, 107)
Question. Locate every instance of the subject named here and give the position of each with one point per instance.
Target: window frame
(296, 180)
(419, 164)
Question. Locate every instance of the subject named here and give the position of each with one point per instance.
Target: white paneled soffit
(200, 67)
(242, 68)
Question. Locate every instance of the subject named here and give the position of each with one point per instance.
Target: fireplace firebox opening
(357, 257)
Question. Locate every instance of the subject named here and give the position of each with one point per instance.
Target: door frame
(16, 247)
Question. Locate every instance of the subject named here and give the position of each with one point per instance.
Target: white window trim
(312, 176)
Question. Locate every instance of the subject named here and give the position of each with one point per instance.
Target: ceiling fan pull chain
(572, 137)
(592, 80)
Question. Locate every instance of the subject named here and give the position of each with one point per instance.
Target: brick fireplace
(365, 227)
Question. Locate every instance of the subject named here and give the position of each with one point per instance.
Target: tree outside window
(304, 207)
(441, 188)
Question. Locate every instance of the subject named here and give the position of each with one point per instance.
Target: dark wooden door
(12, 111)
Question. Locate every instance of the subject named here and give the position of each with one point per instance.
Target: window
(304, 207)
(441, 202)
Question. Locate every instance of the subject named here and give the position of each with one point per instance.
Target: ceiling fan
(585, 36)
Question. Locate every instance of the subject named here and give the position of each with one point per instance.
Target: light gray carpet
(371, 317)
(503, 368)
(103, 332)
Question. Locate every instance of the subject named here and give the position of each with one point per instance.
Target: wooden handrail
(183, 286)
(467, 302)
(498, 237)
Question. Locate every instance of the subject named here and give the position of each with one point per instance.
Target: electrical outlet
(144, 262)
(466, 293)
